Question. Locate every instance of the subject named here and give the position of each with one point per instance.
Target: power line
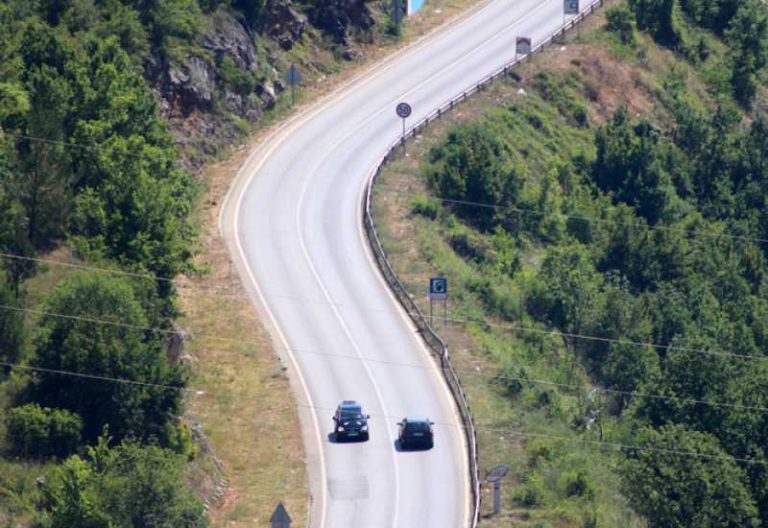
(93, 147)
(646, 227)
(101, 378)
(385, 362)
(506, 326)
(633, 394)
(84, 267)
(87, 319)
(482, 427)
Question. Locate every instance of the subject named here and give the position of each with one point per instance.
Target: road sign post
(494, 476)
(570, 7)
(403, 110)
(438, 291)
(522, 46)
(293, 78)
(280, 517)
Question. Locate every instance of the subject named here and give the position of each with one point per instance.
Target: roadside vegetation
(601, 219)
(109, 246)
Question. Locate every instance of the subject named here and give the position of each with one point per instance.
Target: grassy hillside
(600, 218)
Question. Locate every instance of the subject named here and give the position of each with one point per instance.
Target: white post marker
(403, 110)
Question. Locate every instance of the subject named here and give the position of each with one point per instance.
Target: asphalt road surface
(292, 221)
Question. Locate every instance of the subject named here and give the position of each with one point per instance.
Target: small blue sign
(414, 5)
(438, 288)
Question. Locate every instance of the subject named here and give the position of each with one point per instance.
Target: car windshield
(354, 413)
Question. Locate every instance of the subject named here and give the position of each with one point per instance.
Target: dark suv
(416, 432)
(350, 421)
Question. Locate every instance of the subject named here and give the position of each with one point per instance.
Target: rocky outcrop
(283, 23)
(340, 18)
(226, 36)
(189, 84)
(224, 78)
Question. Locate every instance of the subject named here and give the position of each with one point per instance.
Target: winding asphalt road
(292, 222)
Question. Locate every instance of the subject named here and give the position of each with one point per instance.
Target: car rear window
(419, 427)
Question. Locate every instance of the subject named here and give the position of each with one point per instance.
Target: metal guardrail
(430, 337)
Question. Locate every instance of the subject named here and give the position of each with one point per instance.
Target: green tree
(673, 490)
(747, 35)
(120, 347)
(621, 22)
(11, 325)
(127, 486)
(473, 164)
(569, 292)
(657, 18)
(630, 163)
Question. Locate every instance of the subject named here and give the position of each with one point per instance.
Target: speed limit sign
(403, 110)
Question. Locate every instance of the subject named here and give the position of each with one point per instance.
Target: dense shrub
(35, 431)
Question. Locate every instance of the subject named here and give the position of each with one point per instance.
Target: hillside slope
(600, 217)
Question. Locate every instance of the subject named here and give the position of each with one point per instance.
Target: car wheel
(366, 437)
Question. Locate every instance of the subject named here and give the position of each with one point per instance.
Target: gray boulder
(283, 22)
(228, 36)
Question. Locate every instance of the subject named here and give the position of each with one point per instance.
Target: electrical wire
(640, 226)
(479, 427)
(509, 327)
(496, 379)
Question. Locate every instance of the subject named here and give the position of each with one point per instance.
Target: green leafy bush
(621, 22)
(426, 207)
(123, 487)
(140, 406)
(35, 431)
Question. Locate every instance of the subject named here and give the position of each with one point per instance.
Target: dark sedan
(416, 432)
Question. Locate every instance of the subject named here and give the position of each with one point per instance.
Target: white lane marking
(344, 326)
(309, 178)
(302, 381)
(365, 77)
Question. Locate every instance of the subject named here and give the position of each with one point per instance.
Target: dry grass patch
(247, 408)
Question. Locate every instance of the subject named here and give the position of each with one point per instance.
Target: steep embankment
(600, 217)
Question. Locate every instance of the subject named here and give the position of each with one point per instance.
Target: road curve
(292, 222)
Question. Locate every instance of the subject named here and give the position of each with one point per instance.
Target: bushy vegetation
(86, 160)
(743, 24)
(35, 431)
(641, 244)
(123, 486)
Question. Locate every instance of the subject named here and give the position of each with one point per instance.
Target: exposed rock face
(283, 22)
(227, 36)
(338, 17)
(190, 84)
(224, 77)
